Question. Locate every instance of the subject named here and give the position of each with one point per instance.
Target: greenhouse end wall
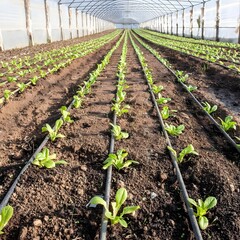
(44, 22)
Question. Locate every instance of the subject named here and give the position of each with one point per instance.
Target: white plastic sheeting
(229, 21)
(13, 32)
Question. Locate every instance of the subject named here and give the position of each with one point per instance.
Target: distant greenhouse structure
(29, 22)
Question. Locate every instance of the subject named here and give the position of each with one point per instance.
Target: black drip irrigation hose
(44, 142)
(225, 134)
(103, 231)
(189, 55)
(190, 211)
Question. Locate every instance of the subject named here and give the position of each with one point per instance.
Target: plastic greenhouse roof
(129, 11)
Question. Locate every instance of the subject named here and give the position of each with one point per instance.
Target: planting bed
(52, 203)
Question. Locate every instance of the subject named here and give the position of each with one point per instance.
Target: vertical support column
(171, 24)
(161, 24)
(87, 24)
(191, 22)
(1, 41)
(202, 20)
(217, 19)
(28, 22)
(183, 23)
(82, 19)
(48, 26)
(167, 24)
(60, 21)
(77, 22)
(177, 23)
(70, 22)
(238, 31)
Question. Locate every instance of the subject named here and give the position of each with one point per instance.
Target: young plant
(120, 111)
(182, 76)
(174, 131)
(11, 79)
(34, 80)
(22, 87)
(53, 132)
(166, 113)
(202, 207)
(157, 89)
(208, 108)
(44, 159)
(162, 100)
(118, 160)
(191, 88)
(7, 94)
(5, 216)
(117, 132)
(66, 115)
(187, 150)
(113, 216)
(77, 101)
(228, 124)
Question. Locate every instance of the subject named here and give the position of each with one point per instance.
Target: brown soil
(51, 204)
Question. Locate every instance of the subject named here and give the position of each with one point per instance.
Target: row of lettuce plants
(44, 158)
(77, 52)
(225, 124)
(201, 207)
(214, 55)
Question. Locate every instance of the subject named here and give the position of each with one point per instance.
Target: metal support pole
(70, 22)
(203, 20)
(217, 19)
(60, 21)
(171, 24)
(28, 22)
(177, 23)
(48, 26)
(1, 41)
(191, 22)
(77, 22)
(183, 23)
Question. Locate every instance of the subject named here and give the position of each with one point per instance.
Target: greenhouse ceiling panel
(129, 11)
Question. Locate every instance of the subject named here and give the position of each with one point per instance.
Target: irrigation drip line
(225, 134)
(190, 211)
(186, 54)
(44, 142)
(103, 232)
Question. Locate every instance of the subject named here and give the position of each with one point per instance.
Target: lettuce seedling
(118, 110)
(120, 198)
(117, 160)
(228, 124)
(44, 159)
(77, 101)
(202, 207)
(162, 100)
(182, 76)
(191, 88)
(157, 89)
(187, 150)
(53, 132)
(117, 132)
(22, 86)
(174, 131)
(11, 79)
(66, 115)
(34, 80)
(5, 216)
(208, 108)
(7, 94)
(166, 113)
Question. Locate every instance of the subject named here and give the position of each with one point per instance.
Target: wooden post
(28, 22)
(177, 23)
(217, 19)
(48, 26)
(70, 22)
(183, 23)
(1, 41)
(60, 21)
(202, 20)
(191, 22)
